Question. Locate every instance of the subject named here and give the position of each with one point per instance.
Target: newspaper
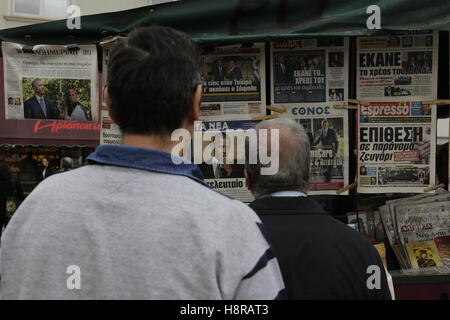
(50, 82)
(309, 70)
(398, 66)
(327, 130)
(388, 223)
(423, 222)
(109, 132)
(397, 132)
(308, 77)
(233, 83)
(225, 178)
(389, 219)
(387, 214)
(396, 147)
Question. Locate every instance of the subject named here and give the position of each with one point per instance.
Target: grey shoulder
(232, 206)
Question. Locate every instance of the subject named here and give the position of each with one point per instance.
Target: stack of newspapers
(418, 229)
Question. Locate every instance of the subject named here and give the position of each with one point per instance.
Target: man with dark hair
(218, 71)
(29, 166)
(233, 71)
(222, 168)
(134, 224)
(320, 257)
(38, 107)
(280, 70)
(47, 170)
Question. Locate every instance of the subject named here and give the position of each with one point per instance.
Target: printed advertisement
(396, 147)
(50, 82)
(233, 82)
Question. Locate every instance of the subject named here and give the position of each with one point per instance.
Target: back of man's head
(152, 77)
(66, 163)
(294, 160)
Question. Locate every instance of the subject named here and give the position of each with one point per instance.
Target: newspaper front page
(308, 77)
(50, 82)
(396, 73)
(233, 83)
(223, 172)
(396, 147)
(400, 66)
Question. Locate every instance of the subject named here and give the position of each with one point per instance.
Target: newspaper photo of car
(412, 175)
(404, 176)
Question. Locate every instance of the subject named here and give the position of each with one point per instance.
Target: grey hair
(33, 83)
(67, 163)
(294, 159)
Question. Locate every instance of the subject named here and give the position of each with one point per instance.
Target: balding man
(319, 256)
(38, 107)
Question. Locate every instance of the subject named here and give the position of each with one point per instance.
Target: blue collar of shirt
(145, 159)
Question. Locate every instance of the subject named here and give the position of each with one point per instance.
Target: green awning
(227, 21)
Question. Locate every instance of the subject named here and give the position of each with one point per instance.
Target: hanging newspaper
(401, 66)
(50, 82)
(396, 147)
(397, 137)
(219, 150)
(110, 132)
(233, 83)
(308, 77)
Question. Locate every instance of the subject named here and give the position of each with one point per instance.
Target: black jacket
(6, 186)
(319, 256)
(33, 109)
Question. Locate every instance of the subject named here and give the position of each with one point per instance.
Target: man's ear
(194, 113)
(107, 101)
(248, 180)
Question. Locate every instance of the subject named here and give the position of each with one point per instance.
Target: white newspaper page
(397, 67)
(308, 77)
(233, 83)
(397, 131)
(221, 157)
(50, 82)
(396, 147)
